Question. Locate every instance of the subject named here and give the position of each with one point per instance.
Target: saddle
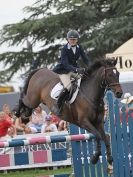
(58, 88)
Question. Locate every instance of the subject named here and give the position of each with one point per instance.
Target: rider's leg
(65, 79)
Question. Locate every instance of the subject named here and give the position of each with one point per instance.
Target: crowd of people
(38, 122)
(41, 122)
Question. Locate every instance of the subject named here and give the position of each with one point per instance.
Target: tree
(103, 25)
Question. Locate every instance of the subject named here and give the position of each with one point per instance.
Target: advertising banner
(124, 56)
(124, 61)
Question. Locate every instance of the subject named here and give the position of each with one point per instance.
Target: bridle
(105, 83)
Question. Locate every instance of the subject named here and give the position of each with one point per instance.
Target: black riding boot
(61, 100)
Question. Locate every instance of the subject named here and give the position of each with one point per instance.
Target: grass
(36, 172)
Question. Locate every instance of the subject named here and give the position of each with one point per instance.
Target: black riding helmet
(72, 34)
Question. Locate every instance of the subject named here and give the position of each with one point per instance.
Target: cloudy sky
(11, 11)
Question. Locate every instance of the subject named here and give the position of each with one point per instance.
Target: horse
(87, 111)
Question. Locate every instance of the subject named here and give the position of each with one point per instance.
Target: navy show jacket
(68, 60)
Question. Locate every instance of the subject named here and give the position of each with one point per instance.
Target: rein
(105, 83)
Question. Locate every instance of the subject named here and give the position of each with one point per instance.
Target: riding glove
(80, 70)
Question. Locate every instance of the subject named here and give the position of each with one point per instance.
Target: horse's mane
(99, 63)
(28, 79)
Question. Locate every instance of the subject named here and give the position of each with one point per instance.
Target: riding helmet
(72, 34)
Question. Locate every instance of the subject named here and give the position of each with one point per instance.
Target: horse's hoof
(110, 169)
(28, 112)
(17, 114)
(94, 159)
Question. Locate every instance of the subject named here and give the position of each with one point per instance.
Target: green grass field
(36, 172)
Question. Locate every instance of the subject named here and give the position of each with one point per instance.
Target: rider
(68, 67)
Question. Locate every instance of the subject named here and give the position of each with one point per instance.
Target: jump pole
(45, 140)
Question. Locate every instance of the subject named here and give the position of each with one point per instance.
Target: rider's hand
(80, 70)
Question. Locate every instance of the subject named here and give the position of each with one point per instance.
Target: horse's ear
(114, 62)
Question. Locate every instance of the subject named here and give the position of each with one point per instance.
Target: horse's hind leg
(30, 103)
(20, 107)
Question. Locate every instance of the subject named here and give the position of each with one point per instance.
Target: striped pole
(45, 140)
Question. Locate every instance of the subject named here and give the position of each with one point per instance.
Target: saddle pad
(58, 88)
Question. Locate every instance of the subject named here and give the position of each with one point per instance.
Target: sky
(11, 11)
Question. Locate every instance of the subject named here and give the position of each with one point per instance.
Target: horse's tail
(21, 106)
(27, 81)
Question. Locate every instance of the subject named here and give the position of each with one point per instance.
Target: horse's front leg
(86, 124)
(95, 156)
(106, 140)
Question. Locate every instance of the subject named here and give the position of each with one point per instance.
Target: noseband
(105, 83)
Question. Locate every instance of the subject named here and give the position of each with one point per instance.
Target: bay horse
(87, 111)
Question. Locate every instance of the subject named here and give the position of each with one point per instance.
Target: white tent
(124, 56)
(125, 49)
(126, 77)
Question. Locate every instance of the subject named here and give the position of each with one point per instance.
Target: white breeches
(66, 79)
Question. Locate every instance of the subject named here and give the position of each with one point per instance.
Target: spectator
(128, 103)
(36, 121)
(55, 120)
(62, 126)
(5, 124)
(20, 124)
(128, 100)
(7, 110)
(48, 126)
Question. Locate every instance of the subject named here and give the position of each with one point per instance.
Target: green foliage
(38, 172)
(103, 25)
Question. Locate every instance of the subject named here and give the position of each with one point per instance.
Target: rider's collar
(69, 46)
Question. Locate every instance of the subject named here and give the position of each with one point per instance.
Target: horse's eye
(114, 71)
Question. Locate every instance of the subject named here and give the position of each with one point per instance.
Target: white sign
(124, 62)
